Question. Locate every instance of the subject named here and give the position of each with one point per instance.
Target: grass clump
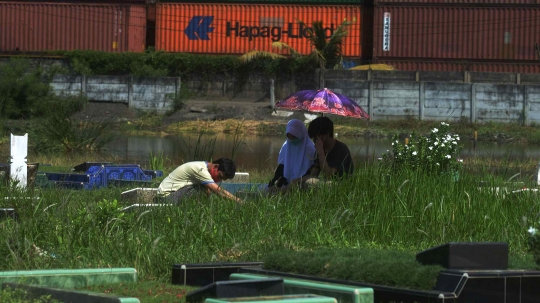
(374, 266)
(18, 295)
(147, 291)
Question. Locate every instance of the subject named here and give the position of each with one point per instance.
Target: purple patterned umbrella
(323, 101)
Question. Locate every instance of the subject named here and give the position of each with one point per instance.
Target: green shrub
(58, 131)
(159, 63)
(23, 88)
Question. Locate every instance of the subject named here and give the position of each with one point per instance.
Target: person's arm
(277, 175)
(325, 170)
(213, 187)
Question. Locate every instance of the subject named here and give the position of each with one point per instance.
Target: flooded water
(257, 152)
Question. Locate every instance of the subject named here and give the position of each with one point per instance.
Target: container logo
(199, 28)
(273, 32)
(386, 32)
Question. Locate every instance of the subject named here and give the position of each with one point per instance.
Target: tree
(327, 52)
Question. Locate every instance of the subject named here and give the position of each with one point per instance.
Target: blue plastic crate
(98, 176)
(153, 173)
(67, 177)
(93, 169)
(72, 185)
(127, 172)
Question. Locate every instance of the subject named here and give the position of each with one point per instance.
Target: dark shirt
(339, 158)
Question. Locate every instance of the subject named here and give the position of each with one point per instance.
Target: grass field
(410, 212)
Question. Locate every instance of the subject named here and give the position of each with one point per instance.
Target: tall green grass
(157, 160)
(202, 149)
(410, 212)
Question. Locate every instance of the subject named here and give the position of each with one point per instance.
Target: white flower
(435, 130)
(442, 144)
(442, 123)
(457, 138)
(380, 159)
(392, 143)
(414, 153)
(460, 160)
(448, 156)
(436, 143)
(431, 147)
(397, 141)
(532, 231)
(454, 142)
(399, 154)
(437, 163)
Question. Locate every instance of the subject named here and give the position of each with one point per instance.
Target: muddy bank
(225, 116)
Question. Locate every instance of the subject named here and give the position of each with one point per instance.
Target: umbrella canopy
(323, 101)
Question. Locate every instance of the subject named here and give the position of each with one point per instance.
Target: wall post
(130, 91)
(422, 94)
(272, 96)
(83, 85)
(178, 87)
(473, 102)
(370, 100)
(526, 106)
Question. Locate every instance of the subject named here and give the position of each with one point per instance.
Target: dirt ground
(193, 110)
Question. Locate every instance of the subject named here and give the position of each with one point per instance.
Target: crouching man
(198, 176)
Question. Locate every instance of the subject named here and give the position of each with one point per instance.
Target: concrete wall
(143, 93)
(442, 96)
(390, 97)
(254, 87)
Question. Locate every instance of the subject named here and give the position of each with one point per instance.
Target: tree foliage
(327, 52)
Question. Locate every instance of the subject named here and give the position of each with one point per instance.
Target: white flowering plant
(437, 152)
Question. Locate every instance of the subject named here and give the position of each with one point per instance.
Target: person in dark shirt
(333, 158)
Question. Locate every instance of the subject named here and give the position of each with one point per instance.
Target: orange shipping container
(36, 27)
(239, 28)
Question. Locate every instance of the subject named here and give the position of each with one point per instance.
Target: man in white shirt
(192, 177)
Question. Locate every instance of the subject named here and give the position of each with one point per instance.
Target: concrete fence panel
(446, 101)
(532, 100)
(395, 100)
(499, 103)
(144, 93)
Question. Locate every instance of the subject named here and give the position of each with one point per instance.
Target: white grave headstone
(19, 152)
(538, 175)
